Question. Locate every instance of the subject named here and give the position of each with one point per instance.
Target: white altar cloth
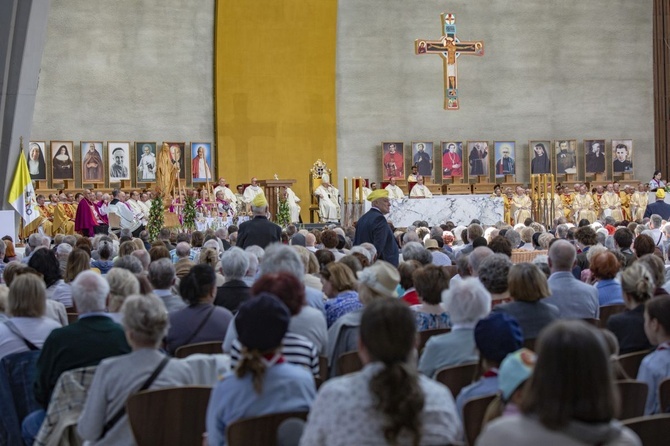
(460, 209)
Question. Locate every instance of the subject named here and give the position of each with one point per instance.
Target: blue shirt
(345, 302)
(655, 368)
(453, 348)
(609, 292)
(427, 321)
(286, 388)
(483, 387)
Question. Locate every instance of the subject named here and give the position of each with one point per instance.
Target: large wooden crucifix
(449, 48)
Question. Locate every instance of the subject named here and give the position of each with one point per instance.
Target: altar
(460, 209)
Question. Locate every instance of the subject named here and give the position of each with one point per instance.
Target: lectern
(272, 189)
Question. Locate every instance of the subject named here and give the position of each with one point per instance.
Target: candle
(346, 190)
(360, 189)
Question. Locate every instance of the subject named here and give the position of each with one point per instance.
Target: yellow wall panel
(275, 90)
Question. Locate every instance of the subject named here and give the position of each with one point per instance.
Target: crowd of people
(278, 300)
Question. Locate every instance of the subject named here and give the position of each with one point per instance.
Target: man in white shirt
(419, 190)
(138, 211)
(395, 193)
(293, 206)
(126, 216)
(147, 165)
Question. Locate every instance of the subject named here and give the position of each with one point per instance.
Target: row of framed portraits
(478, 158)
(117, 160)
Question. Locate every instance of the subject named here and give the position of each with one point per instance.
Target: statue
(166, 173)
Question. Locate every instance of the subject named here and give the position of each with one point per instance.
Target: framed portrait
(202, 160)
(62, 160)
(594, 156)
(422, 157)
(452, 159)
(622, 156)
(92, 166)
(393, 160)
(505, 153)
(37, 165)
(145, 158)
(478, 158)
(177, 157)
(540, 156)
(119, 160)
(565, 151)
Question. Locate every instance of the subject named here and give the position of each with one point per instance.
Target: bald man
(574, 299)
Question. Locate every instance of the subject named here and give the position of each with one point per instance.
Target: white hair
(89, 291)
(466, 301)
(234, 263)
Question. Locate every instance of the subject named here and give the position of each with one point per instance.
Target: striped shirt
(296, 349)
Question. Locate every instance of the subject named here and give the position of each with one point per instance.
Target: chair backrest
(423, 336)
(17, 374)
(349, 362)
(323, 367)
(114, 220)
(72, 317)
(523, 256)
(609, 310)
(172, 416)
(473, 414)
(652, 430)
(633, 398)
(456, 377)
(630, 362)
(664, 395)
(207, 348)
(259, 430)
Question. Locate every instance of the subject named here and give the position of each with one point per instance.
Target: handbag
(122, 411)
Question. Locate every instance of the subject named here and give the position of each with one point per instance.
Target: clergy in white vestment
(293, 206)
(420, 190)
(228, 194)
(365, 191)
(252, 191)
(395, 193)
(329, 200)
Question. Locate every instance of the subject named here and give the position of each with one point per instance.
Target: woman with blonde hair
(77, 261)
(339, 284)
(27, 327)
(122, 283)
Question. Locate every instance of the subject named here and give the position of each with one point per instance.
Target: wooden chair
(456, 377)
(664, 395)
(423, 336)
(349, 362)
(208, 348)
(473, 414)
(630, 362)
(114, 222)
(633, 398)
(609, 310)
(592, 321)
(523, 256)
(172, 416)
(72, 317)
(258, 430)
(652, 430)
(323, 367)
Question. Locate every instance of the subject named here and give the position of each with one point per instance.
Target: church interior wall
(565, 69)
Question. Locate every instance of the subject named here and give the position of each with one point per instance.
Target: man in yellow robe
(583, 206)
(566, 200)
(507, 205)
(597, 196)
(46, 216)
(522, 204)
(638, 202)
(61, 221)
(624, 196)
(610, 203)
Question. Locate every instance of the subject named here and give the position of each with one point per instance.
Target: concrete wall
(552, 70)
(137, 70)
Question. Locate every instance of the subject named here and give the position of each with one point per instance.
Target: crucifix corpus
(449, 48)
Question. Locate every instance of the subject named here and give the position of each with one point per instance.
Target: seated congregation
(317, 341)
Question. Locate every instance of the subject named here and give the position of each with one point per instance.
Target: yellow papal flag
(22, 194)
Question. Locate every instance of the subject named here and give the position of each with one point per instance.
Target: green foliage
(189, 214)
(156, 218)
(283, 217)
